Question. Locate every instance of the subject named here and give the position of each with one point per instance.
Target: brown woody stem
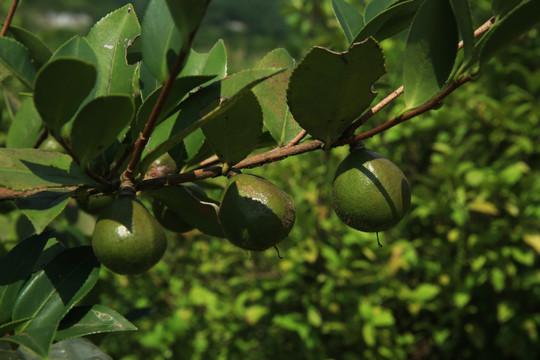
(9, 17)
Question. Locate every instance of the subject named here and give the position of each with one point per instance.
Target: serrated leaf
(15, 267)
(234, 133)
(213, 62)
(187, 15)
(38, 49)
(389, 22)
(199, 213)
(465, 26)
(429, 55)
(180, 88)
(26, 169)
(272, 96)
(60, 88)
(329, 90)
(206, 104)
(50, 294)
(43, 207)
(374, 8)
(16, 58)
(98, 124)
(349, 18)
(26, 127)
(87, 320)
(109, 38)
(161, 40)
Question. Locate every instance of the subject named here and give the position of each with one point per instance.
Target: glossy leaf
(15, 268)
(26, 127)
(349, 18)
(43, 207)
(25, 169)
(98, 124)
(374, 8)
(234, 133)
(147, 82)
(38, 50)
(16, 58)
(199, 213)
(206, 104)
(430, 52)
(87, 320)
(181, 87)
(465, 26)
(161, 40)
(38, 340)
(390, 22)
(272, 96)
(11, 326)
(109, 38)
(329, 90)
(213, 62)
(61, 86)
(79, 48)
(187, 15)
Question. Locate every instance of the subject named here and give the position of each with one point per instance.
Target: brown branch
(9, 17)
(297, 138)
(9, 194)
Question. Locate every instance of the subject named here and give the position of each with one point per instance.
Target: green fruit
(168, 218)
(254, 213)
(370, 193)
(127, 239)
(94, 204)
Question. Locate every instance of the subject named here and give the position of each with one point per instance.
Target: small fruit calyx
(255, 214)
(370, 193)
(127, 239)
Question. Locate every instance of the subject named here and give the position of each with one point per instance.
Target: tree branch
(9, 17)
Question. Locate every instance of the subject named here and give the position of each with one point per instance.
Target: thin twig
(41, 139)
(297, 138)
(9, 17)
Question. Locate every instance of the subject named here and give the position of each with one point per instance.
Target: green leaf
(425, 292)
(61, 86)
(374, 8)
(349, 18)
(187, 15)
(390, 22)
(502, 7)
(77, 47)
(161, 40)
(38, 49)
(465, 26)
(213, 62)
(26, 127)
(16, 58)
(234, 133)
(147, 82)
(430, 52)
(98, 124)
(180, 88)
(87, 320)
(206, 104)
(272, 96)
(26, 169)
(329, 90)
(199, 213)
(15, 267)
(516, 22)
(109, 38)
(50, 294)
(43, 207)
(11, 326)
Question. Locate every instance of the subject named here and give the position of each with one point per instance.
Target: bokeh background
(458, 278)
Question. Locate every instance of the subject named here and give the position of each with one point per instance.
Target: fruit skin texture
(127, 239)
(255, 214)
(95, 204)
(370, 193)
(169, 219)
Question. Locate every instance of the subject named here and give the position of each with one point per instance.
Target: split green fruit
(370, 193)
(127, 239)
(254, 213)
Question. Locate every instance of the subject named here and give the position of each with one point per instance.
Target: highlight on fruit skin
(127, 239)
(370, 193)
(255, 214)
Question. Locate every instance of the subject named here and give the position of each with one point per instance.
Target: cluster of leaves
(95, 95)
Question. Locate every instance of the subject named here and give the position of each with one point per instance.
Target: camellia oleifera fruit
(127, 239)
(254, 213)
(370, 193)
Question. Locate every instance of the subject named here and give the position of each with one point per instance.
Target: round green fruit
(94, 204)
(254, 213)
(127, 239)
(370, 193)
(168, 218)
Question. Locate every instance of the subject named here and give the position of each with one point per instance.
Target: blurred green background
(458, 278)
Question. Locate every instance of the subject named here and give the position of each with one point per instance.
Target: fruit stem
(127, 188)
